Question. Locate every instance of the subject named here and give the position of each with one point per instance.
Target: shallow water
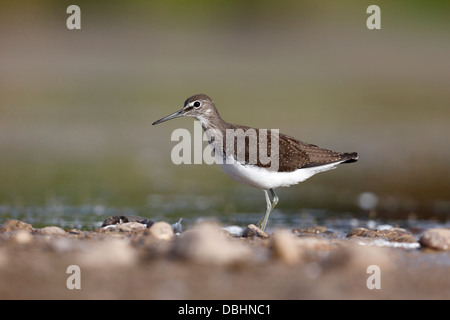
(194, 209)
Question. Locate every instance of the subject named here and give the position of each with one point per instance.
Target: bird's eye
(197, 104)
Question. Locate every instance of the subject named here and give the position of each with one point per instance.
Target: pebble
(15, 225)
(315, 231)
(253, 231)
(51, 230)
(284, 247)
(131, 227)
(120, 219)
(392, 234)
(436, 238)
(162, 230)
(207, 244)
(23, 237)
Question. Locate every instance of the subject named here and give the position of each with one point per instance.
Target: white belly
(257, 177)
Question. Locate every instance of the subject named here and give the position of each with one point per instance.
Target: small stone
(253, 231)
(314, 229)
(436, 238)
(361, 232)
(398, 235)
(129, 227)
(120, 219)
(51, 230)
(207, 244)
(392, 234)
(162, 231)
(23, 237)
(15, 225)
(284, 247)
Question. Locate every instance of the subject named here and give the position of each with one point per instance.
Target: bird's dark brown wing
(292, 154)
(295, 154)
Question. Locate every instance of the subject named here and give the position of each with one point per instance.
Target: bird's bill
(169, 117)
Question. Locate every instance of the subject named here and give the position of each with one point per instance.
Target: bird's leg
(274, 198)
(268, 208)
(270, 204)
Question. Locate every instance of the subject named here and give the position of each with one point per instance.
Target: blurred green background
(76, 106)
